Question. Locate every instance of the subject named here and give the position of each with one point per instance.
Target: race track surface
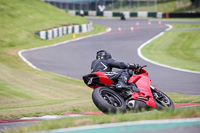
(73, 59)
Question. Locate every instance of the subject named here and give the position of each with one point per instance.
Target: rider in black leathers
(105, 63)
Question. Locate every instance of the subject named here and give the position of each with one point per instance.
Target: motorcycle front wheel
(163, 102)
(108, 101)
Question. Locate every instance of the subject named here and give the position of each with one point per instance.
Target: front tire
(163, 103)
(108, 101)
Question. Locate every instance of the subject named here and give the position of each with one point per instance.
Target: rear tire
(108, 101)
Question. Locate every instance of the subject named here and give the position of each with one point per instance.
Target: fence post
(156, 5)
(112, 5)
(81, 5)
(120, 5)
(61, 6)
(73, 4)
(96, 6)
(138, 5)
(67, 6)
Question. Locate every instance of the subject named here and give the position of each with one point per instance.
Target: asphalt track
(73, 59)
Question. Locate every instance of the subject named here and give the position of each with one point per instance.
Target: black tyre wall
(161, 107)
(103, 105)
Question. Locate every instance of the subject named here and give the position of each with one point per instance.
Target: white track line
(156, 63)
(53, 45)
(51, 117)
(138, 50)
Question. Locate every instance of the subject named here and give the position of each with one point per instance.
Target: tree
(192, 1)
(195, 3)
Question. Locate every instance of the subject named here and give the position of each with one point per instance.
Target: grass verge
(23, 90)
(90, 120)
(28, 92)
(178, 49)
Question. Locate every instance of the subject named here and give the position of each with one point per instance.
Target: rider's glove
(133, 66)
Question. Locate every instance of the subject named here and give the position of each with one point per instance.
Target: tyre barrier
(118, 14)
(181, 15)
(57, 32)
(143, 14)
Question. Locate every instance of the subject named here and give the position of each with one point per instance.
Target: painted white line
(156, 63)
(187, 120)
(25, 60)
(53, 45)
(52, 117)
(138, 50)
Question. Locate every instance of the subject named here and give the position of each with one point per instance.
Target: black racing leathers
(106, 65)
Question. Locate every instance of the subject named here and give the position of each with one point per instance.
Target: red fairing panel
(134, 78)
(103, 78)
(94, 87)
(143, 83)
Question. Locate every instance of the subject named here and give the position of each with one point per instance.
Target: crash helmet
(102, 54)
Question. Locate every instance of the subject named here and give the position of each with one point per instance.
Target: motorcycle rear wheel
(108, 101)
(163, 103)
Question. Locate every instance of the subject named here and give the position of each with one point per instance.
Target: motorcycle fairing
(143, 83)
(103, 78)
(97, 79)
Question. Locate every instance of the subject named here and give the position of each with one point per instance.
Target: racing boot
(123, 87)
(134, 88)
(122, 83)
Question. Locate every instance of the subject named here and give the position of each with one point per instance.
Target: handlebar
(139, 69)
(143, 66)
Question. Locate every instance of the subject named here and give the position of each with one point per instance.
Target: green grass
(99, 119)
(28, 92)
(179, 49)
(182, 98)
(184, 26)
(23, 90)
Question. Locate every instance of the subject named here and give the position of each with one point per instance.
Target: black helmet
(102, 54)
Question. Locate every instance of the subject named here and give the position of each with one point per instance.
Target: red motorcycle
(108, 99)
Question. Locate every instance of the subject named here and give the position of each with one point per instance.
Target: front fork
(157, 94)
(154, 89)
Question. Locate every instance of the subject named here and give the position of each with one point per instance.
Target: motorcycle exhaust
(131, 104)
(136, 104)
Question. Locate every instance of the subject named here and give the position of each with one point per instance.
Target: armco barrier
(56, 32)
(117, 14)
(143, 14)
(99, 14)
(152, 14)
(133, 14)
(184, 15)
(107, 13)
